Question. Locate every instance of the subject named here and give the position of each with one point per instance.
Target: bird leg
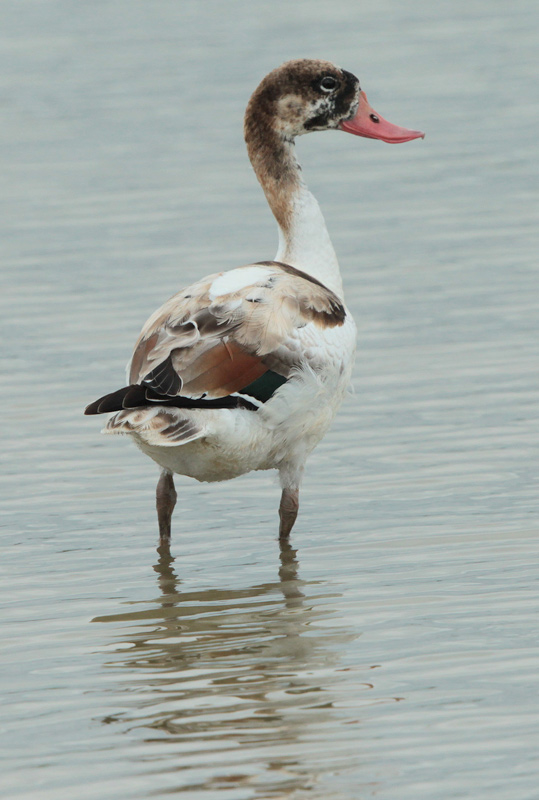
(165, 500)
(288, 511)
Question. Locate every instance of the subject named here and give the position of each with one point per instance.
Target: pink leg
(165, 500)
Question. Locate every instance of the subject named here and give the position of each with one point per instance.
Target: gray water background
(392, 651)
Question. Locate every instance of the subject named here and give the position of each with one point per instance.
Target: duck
(245, 369)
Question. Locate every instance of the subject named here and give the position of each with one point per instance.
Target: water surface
(391, 650)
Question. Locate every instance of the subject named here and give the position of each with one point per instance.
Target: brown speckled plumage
(215, 347)
(287, 103)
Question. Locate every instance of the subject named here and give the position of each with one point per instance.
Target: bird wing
(224, 332)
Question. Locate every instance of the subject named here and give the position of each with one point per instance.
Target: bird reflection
(242, 674)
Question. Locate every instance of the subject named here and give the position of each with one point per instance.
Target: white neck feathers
(304, 242)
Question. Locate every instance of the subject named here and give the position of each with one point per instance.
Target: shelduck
(246, 369)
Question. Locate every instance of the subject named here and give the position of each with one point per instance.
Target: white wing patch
(236, 279)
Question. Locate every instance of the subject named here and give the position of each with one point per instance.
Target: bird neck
(304, 241)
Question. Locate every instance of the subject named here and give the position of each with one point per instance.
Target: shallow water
(391, 651)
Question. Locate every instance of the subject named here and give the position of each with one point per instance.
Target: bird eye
(328, 84)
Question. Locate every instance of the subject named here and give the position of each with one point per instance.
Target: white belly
(283, 430)
(259, 440)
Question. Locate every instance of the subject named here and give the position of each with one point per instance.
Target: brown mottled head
(296, 98)
(301, 96)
